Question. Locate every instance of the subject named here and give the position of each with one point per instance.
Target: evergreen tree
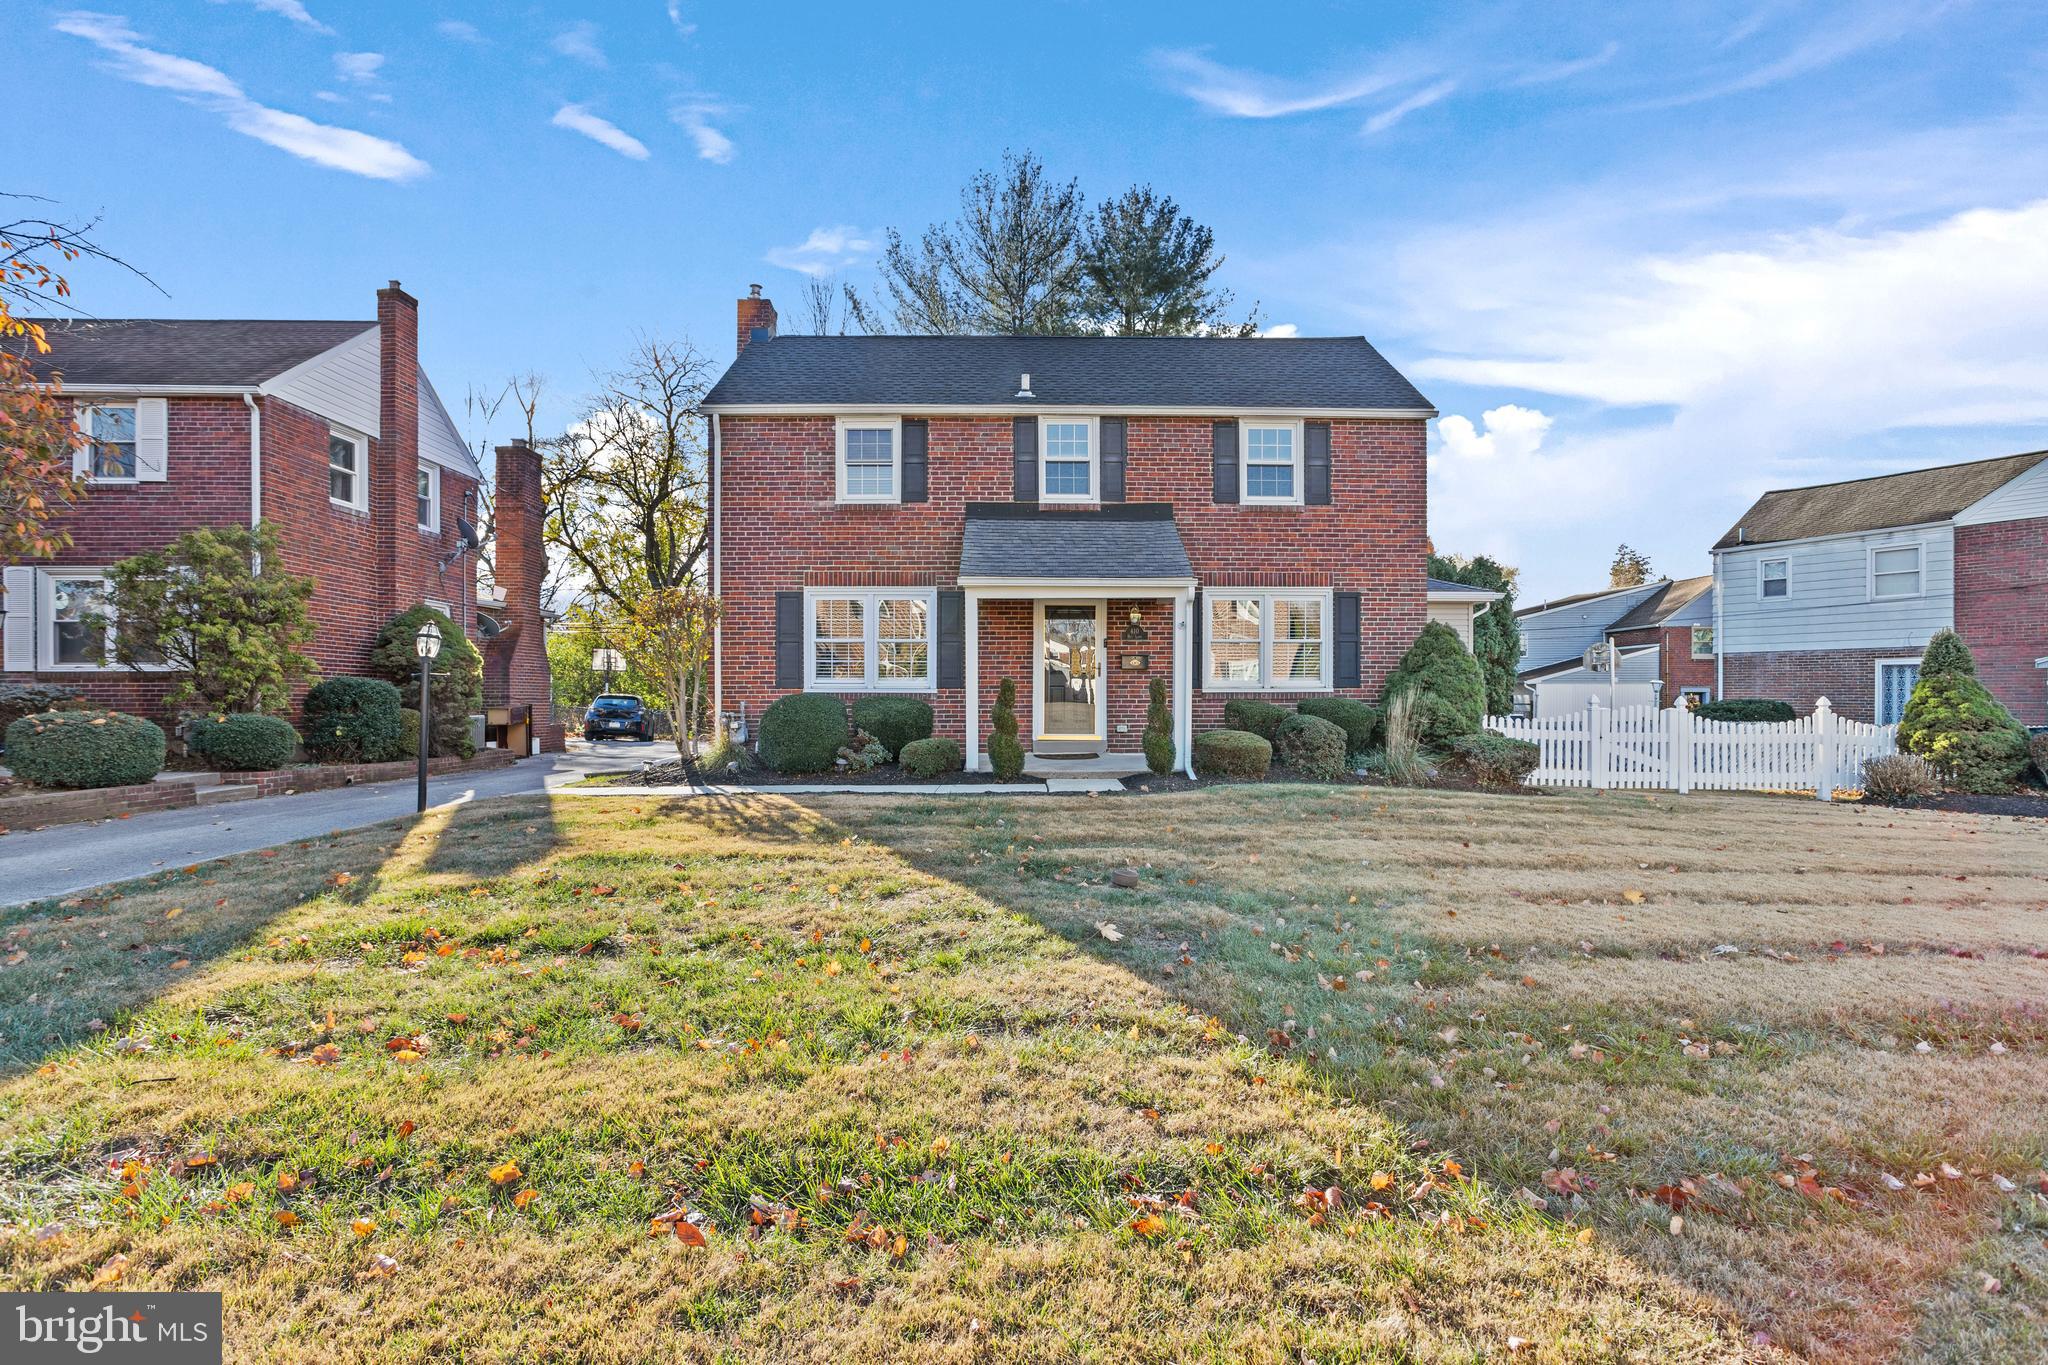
(1147, 269)
(1445, 685)
(1947, 654)
(1496, 634)
(1954, 722)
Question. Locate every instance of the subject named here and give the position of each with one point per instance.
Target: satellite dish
(470, 539)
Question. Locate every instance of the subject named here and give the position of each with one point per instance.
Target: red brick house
(1834, 590)
(331, 431)
(1081, 515)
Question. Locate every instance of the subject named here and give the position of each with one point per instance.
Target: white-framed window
(348, 469)
(870, 639)
(1067, 454)
(1269, 462)
(78, 626)
(1689, 697)
(869, 462)
(430, 497)
(1895, 680)
(1774, 578)
(1895, 571)
(1258, 641)
(1702, 642)
(110, 431)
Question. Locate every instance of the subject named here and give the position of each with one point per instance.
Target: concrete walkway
(65, 858)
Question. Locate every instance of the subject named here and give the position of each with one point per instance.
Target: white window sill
(841, 685)
(848, 500)
(1271, 502)
(339, 505)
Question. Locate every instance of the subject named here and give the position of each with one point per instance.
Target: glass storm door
(1070, 681)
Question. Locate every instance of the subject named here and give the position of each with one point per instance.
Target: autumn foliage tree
(667, 636)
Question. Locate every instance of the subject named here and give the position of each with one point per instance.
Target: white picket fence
(1641, 747)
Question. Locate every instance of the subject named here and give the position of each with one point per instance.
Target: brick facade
(1675, 663)
(516, 660)
(1846, 677)
(2002, 610)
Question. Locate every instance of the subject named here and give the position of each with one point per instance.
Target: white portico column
(972, 699)
(1184, 665)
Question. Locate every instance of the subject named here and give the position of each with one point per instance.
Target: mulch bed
(673, 774)
(1444, 781)
(2032, 804)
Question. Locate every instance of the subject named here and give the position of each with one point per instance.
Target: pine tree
(1147, 268)
(1947, 654)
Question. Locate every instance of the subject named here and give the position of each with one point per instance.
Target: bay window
(1267, 641)
(877, 639)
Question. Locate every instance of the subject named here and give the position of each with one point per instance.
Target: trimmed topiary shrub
(1960, 728)
(352, 720)
(458, 691)
(1158, 730)
(1445, 681)
(244, 742)
(1495, 760)
(84, 749)
(1359, 720)
(803, 732)
(1947, 654)
(1311, 746)
(930, 757)
(895, 721)
(1005, 754)
(1256, 717)
(1232, 753)
(1745, 709)
(32, 699)
(1899, 777)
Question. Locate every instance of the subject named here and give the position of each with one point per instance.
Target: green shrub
(803, 732)
(1495, 760)
(1261, 718)
(352, 720)
(2037, 749)
(1745, 709)
(861, 753)
(1947, 654)
(458, 691)
(1899, 777)
(1445, 681)
(1960, 728)
(408, 733)
(895, 721)
(1359, 720)
(930, 757)
(1158, 730)
(84, 749)
(243, 743)
(1005, 754)
(1232, 753)
(1311, 746)
(32, 699)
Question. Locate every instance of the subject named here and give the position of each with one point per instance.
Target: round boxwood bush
(1311, 746)
(243, 743)
(1261, 718)
(1446, 682)
(930, 757)
(84, 749)
(1495, 760)
(1359, 721)
(1745, 709)
(894, 721)
(352, 720)
(803, 732)
(30, 699)
(1232, 753)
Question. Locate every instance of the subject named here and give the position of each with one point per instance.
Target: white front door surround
(1069, 694)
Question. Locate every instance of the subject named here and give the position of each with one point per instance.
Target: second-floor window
(430, 498)
(1066, 460)
(110, 437)
(1702, 642)
(1774, 578)
(1895, 571)
(1270, 462)
(1267, 641)
(348, 475)
(869, 460)
(871, 640)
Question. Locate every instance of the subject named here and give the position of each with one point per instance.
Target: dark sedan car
(617, 716)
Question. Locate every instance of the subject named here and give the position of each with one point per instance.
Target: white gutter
(255, 469)
(717, 573)
(1720, 645)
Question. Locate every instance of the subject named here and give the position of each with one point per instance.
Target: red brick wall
(2002, 610)
(782, 529)
(516, 666)
(1846, 677)
(1676, 666)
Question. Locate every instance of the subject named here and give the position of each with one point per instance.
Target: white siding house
(1554, 633)
(1834, 595)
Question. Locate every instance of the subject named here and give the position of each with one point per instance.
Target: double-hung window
(1894, 571)
(430, 498)
(1774, 578)
(870, 459)
(1269, 462)
(877, 639)
(81, 629)
(348, 472)
(1702, 642)
(110, 442)
(1267, 641)
(1066, 459)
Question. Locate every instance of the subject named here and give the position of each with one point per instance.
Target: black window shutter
(916, 460)
(1114, 457)
(952, 638)
(1024, 444)
(1196, 672)
(1346, 674)
(1223, 450)
(1315, 449)
(789, 639)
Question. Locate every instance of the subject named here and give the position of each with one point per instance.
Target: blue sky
(1647, 260)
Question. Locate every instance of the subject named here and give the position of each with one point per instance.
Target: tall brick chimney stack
(756, 313)
(395, 454)
(519, 563)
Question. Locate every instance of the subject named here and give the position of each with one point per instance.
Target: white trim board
(1040, 409)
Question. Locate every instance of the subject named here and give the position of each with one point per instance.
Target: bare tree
(822, 307)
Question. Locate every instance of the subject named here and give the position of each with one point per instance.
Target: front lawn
(1352, 1074)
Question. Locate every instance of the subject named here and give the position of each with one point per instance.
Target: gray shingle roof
(1446, 585)
(1019, 540)
(982, 371)
(1919, 495)
(184, 350)
(1667, 603)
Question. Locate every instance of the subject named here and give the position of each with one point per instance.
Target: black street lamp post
(428, 646)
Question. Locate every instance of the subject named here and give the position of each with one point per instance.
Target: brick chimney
(518, 662)
(395, 454)
(756, 314)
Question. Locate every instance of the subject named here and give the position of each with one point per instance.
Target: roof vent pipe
(1024, 386)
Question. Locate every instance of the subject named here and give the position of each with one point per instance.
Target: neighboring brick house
(1834, 590)
(330, 431)
(1663, 633)
(1081, 515)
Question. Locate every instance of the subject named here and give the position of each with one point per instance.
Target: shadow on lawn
(92, 961)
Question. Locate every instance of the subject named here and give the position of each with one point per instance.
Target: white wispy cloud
(358, 66)
(675, 16)
(1564, 71)
(342, 149)
(1421, 99)
(578, 119)
(827, 249)
(294, 10)
(461, 30)
(579, 43)
(1252, 94)
(694, 117)
(1839, 35)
